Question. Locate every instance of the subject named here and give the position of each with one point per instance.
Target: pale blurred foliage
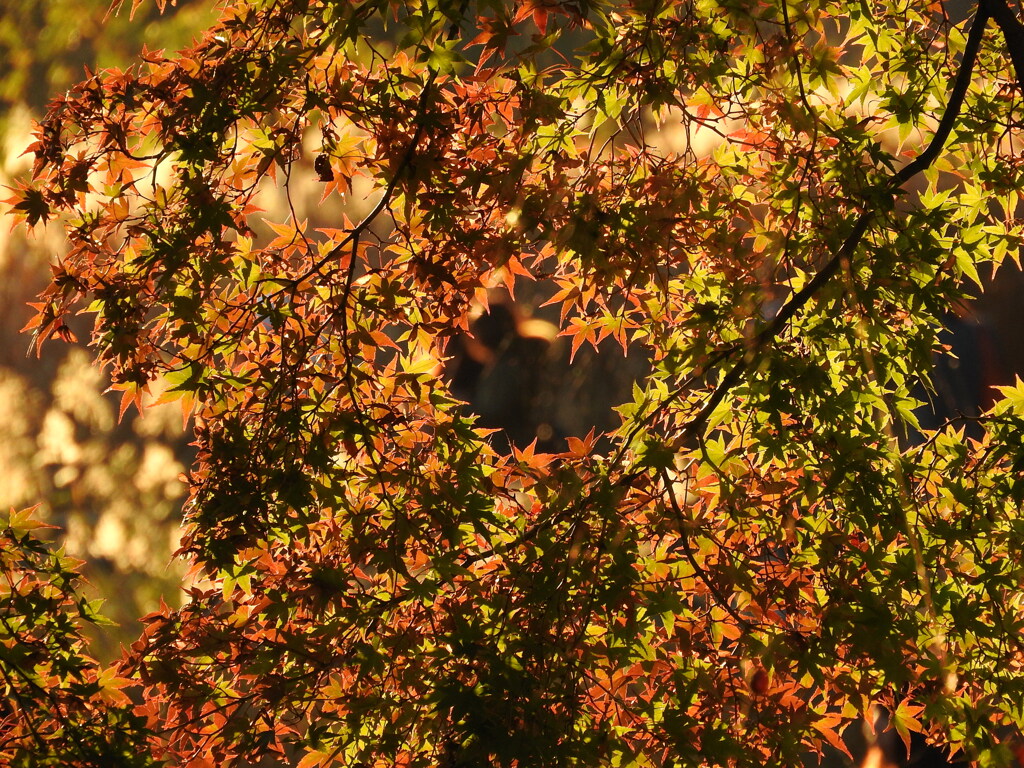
(131, 484)
(17, 440)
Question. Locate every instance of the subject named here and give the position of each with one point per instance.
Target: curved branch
(1013, 33)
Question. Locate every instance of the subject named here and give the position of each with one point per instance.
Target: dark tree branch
(1013, 33)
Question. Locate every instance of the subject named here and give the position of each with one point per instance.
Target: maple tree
(761, 551)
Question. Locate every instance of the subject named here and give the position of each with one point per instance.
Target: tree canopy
(778, 203)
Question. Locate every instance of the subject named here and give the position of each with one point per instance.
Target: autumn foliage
(777, 202)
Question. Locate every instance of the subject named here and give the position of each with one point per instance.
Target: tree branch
(1013, 33)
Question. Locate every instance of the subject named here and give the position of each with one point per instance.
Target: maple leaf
(29, 204)
(904, 719)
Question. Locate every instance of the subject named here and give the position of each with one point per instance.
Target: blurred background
(113, 488)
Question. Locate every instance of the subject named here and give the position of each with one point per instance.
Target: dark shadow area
(518, 376)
